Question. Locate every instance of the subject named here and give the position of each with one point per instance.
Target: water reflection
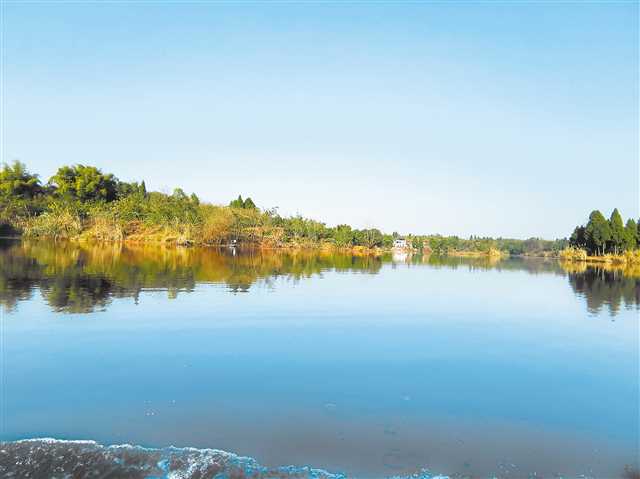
(606, 289)
(76, 278)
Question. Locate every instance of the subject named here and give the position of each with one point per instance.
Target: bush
(60, 222)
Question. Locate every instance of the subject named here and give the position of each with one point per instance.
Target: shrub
(59, 222)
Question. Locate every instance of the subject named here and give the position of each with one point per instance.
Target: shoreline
(576, 255)
(566, 256)
(356, 250)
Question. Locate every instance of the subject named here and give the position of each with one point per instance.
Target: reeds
(628, 262)
(53, 224)
(573, 254)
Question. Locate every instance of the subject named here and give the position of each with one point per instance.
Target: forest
(82, 202)
(601, 236)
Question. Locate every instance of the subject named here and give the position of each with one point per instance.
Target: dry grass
(577, 254)
(573, 254)
(102, 228)
(217, 224)
(490, 253)
(56, 225)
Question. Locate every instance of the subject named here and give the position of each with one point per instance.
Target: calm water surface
(373, 367)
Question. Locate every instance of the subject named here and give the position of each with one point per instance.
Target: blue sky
(490, 118)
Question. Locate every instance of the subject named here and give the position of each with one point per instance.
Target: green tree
(343, 235)
(578, 237)
(630, 234)
(179, 194)
(17, 182)
(616, 225)
(249, 204)
(370, 237)
(124, 189)
(237, 203)
(85, 183)
(597, 233)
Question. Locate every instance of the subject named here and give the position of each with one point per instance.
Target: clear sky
(490, 118)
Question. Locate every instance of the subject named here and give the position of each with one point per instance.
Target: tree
(237, 203)
(179, 194)
(369, 237)
(17, 182)
(630, 234)
(247, 204)
(85, 183)
(616, 225)
(124, 189)
(343, 235)
(578, 238)
(597, 232)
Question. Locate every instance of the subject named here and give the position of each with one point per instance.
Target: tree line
(83, 196)
(82, 200)
(601, 236)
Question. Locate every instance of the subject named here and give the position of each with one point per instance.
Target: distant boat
(233, 243)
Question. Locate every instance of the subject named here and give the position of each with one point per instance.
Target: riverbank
(579, 255)
(490, 253)
(81, 203)
(97, 234)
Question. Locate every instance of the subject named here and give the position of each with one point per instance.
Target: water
(368, 367)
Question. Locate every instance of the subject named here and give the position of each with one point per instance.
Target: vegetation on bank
(609, 241)
(82, 203)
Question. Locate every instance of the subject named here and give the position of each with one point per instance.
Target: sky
(511, 119)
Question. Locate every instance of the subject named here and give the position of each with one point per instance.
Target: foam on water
(61, 459)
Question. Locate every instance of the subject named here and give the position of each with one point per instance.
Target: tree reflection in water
(80, 278)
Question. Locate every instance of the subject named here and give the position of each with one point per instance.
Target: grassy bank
(573, 254)
(488, 253)
(180, 220)
(81, 203)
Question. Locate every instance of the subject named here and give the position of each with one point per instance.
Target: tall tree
(85, 183)
(630, 234)
(617, 231)
(237, 203)
(597, 233)
(249, 204)
(578, 237)
(17, 182)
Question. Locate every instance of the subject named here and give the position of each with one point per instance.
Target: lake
(363, 366)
